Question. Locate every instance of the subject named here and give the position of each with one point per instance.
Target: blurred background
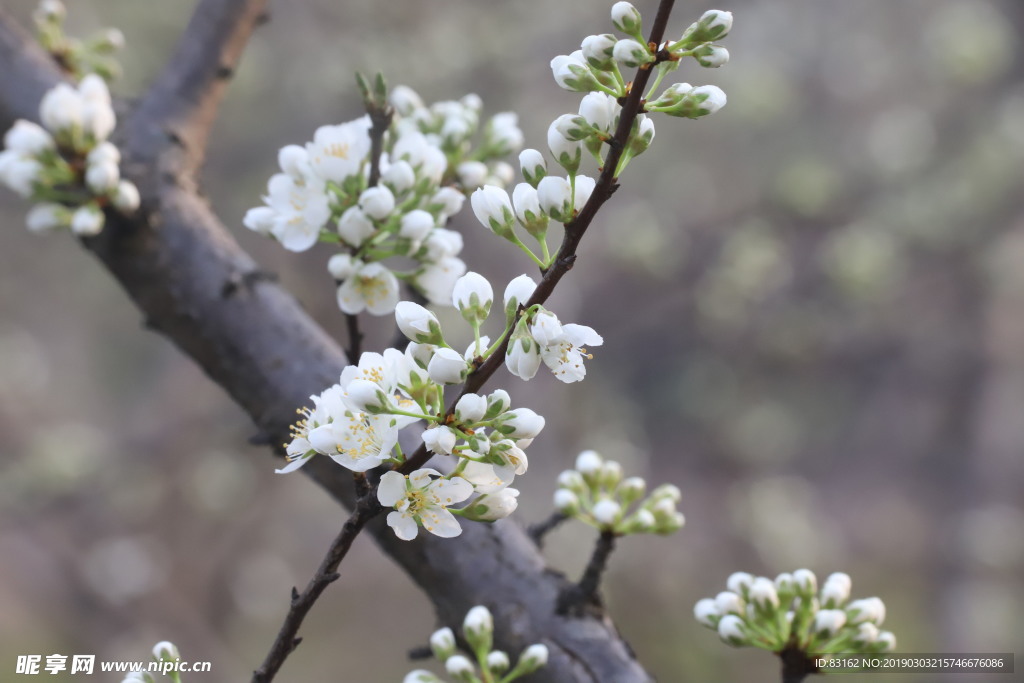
(813, 312)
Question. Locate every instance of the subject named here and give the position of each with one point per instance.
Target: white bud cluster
(67, 167)
(478, 632)
(789, 612)
(77, 57)
(596, 493)
(322, 194)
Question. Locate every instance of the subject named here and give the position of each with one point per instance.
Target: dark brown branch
(576, 600)
(355, 336)
(184, 99)
(796, 666)
(287, 640)
(541, 529)
(576, 228)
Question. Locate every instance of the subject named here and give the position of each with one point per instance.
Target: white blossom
(126, 197)
(371, 287)
(338, 152)
(327, 406)
(19, 173)
(491, 507)
(440, 440)
(399, 176)
(589, 462)
(458, 666)
(600, 110)
(472, 174)
(836, 589)
(420, 499)
(46, 216)
(472, 295)
(102, 177)
(534, 657)
(566, 502)
(867, 609)
(356, 441)
(566, 152)
(730, 629)
(522, 358)
(470, 408)
(631, 53)
(706, 612)
(493, 209)
(532, 165)
(607, 512)
(555, 196)
(302, 209)
(437, 278)
(829, 621)
(450, 200)
(519, 291)
(417, 323)
(565, 356)
(61, 108)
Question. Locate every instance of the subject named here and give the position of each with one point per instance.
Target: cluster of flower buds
(596, 493)
(77, 57)
(68, 168)
(164, 652)
(790, 613)
(429, 162)
(490, 665)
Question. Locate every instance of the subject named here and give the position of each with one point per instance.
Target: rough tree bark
(195, 285)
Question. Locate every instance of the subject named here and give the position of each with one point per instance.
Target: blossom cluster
(790, 612)
(67, 166)
(491, 665)
(77, 57)
(432, 156)
(596, 493)
(595, 70)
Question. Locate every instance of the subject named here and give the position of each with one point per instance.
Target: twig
(541, 529)
(796, 666)
(355, 338)
(380, 121)
(301, 603)
(574, 229)
(575, 599)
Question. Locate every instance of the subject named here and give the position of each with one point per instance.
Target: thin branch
(575, 600)
(796, 666)
(541, 529)
(355, 337)
(380, 121)
(576, 228)
(184, 99)
(287, 640)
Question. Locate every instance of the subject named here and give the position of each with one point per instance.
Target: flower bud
(611, 474)
(805, 582)
(706, 613)
(589, 463)
(713, 24)
(631, 53)
(492, 506)
(478, 628)
(641, 136)
(522, 358)
(784, 583)
(355, 227)
(261, 219)
(607, 512)
(405, 100)
(836, 590)
(566, 502)
(493, 209)
(521, 423)
(567, 151)
(631, 490)
(28, 138)
(103, 152)
(739, 582)
(498, 662)
(46, 216)
(399, 176)
(470, 409)
(572, 73)
(866, 609)
(87, 220)
(763, 594)
(555, 196)
(626, 18)
(597, 50)
(887, 641)
(450, 200)
(472, 174)
(728, 602)
(442, 643)
(61, 108)
(460, 667)
(600, 110)
(533, 658)
(829, 621)
(377, 202)
(416, 225)
(730, 629)
(447, 367)
(472, 296)
(126, 197)
(102, 178)
(711, 56)
(526, 203)
(440, 440)
(166, 651)
(417, 323)
(365, 396)
(867, 633)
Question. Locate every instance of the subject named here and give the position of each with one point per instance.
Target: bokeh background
(813, 307)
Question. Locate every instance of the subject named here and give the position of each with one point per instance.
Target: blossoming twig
(574, 229)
